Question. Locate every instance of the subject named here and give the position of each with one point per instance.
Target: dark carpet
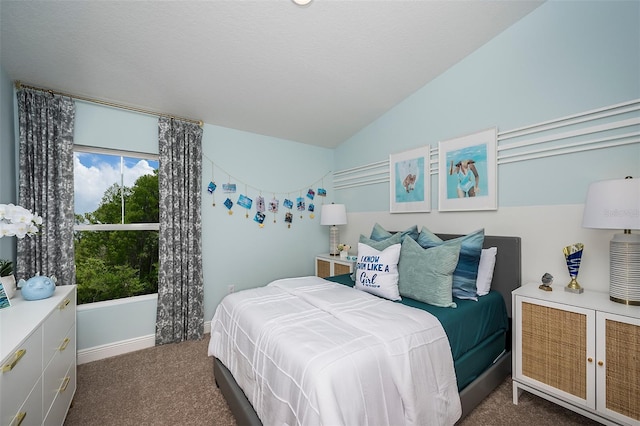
(173, 385)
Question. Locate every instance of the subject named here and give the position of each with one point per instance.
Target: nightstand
(581, 351)
(328, 266)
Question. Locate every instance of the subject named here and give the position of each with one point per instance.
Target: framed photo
(410, 181)
(467, 169)
(4, 299)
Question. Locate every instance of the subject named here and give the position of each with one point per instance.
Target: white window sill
(116, 302)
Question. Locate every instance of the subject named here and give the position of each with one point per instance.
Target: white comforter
(306, 351)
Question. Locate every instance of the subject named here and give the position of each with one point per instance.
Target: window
(116, 232)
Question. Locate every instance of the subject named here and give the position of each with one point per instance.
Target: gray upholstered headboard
(507, 274)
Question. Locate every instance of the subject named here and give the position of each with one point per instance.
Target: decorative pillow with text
(377, 271)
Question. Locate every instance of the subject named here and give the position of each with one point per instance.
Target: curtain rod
(19, 85)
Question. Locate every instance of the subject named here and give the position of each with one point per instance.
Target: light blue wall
(114, 128)
(105, 323)
(235, 250)
(7, 157)
(563, 58)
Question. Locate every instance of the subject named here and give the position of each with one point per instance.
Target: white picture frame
(467, 172)
(410, 181)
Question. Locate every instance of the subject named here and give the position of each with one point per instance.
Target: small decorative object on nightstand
(573, 256)
(547, 280)
(344, 250)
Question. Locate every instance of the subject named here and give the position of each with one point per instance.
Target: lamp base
(624, 263)
(334, 238)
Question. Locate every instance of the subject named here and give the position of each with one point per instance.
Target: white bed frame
(507, 277)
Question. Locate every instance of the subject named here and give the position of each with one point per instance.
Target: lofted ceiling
(314, 74)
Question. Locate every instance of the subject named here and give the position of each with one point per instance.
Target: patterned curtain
(46, 184)
(180, 283)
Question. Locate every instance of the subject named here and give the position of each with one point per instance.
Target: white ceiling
(314, 74)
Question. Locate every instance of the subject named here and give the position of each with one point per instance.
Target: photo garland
(304, 202)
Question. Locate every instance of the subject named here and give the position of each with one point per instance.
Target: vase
(9, 284)
(344, 254)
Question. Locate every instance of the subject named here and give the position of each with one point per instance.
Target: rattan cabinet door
(618, 367)
(328, 266)
(556, 350)
(323, 268)
(341, 269)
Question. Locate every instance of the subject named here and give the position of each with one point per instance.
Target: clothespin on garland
(288, 216)
(259, 217)
(212, 187)
(228, 203)
(245, 202)
(310, 195)
(300, 204)
(273, 206)
(229, 188)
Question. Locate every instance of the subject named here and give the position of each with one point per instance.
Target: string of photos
(304, 201)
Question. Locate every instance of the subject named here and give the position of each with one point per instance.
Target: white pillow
(377, 271)
(485, 270)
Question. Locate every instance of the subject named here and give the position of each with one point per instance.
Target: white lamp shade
(333, 214)
(613, 204)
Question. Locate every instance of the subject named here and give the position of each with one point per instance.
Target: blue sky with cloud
(94, 173)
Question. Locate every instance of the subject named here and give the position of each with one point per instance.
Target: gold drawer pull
(590, 360)
(65, 383)
(65, 342)
(16, 357)
(64, 304)
(17, 420)
(600, 363)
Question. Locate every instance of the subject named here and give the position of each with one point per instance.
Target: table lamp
(332, 215)
(615, 204)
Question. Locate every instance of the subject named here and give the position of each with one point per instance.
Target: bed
(480, 365)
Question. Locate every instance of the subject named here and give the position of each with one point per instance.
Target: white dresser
(38, 353)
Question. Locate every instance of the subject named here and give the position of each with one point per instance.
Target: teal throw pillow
(383, 244)
(426, 275)
(466, 272)
(378, 233)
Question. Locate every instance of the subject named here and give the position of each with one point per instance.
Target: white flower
(18, 221)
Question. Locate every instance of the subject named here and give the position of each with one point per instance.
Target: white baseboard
(122, 347)
(116, 348)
